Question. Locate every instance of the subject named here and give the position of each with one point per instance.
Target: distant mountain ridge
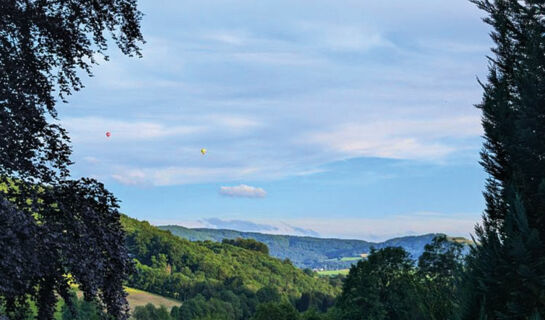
(308, 252)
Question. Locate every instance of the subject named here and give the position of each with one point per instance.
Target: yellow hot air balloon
(203, 151)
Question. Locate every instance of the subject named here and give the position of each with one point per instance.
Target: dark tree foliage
(50, 226)
(381, 287)
(506, 278)
(441, 258)
(268, 294)
(149, 312)
(314, 301)
(249, 244)
(80, 309)
(276, 311)
(439, 270)
(43, 44)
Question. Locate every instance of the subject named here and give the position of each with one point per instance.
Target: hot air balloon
(108, 134)
(203, 151)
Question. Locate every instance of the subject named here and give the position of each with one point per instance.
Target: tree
(381, 287)
(149, 312)
(268, 294)
(275, 311)
(505, 270)
(52, 226)
(439, 270)
(81, 310)
(249, 244)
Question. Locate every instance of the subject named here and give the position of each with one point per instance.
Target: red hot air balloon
(108, 134)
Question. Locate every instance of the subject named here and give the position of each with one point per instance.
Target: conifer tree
(506, 270)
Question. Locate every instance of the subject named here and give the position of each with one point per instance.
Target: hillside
(307, 252)
(174, 267)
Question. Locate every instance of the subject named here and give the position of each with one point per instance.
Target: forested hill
(308, 252)
(187, 270)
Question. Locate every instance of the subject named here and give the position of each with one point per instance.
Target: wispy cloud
(271, 227)
(350, 37)
(284, 95)
(399, 139)
(185, 175)
(376, 229)
(91, 128)
(243, 191)
(239, 225)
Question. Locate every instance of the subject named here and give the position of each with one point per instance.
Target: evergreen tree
(506, 278)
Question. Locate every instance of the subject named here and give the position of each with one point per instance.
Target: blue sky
(349, 119)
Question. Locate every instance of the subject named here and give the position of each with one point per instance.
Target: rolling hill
(177, 268)
(307, 252)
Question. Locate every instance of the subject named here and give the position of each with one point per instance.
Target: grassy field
(141, 298)
(331, 273)
(350, 258)
(135, 298)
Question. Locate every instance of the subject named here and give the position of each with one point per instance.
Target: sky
(349, 119)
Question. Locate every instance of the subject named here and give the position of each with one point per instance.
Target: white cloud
(92, 128)
(455, 46)
(227, 37)
(399, 139)
(230, 121)
(132, 177)
(338, 36)
(243, 191)
(179, 175)
(91, 160)
(278, 58)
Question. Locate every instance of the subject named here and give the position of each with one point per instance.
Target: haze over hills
(309, 252)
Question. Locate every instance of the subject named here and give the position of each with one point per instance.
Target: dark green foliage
(175, 313)
(52, 226)
(312, 314)
(441, 258)
(506, 273)
(249, 244)
(439, 270)
(80, 309)
(268, 294)
(381, 287)
(72, 228)
(314, 301)
(388, 285)
(213, 308)
(149, 312)
(276, 311)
